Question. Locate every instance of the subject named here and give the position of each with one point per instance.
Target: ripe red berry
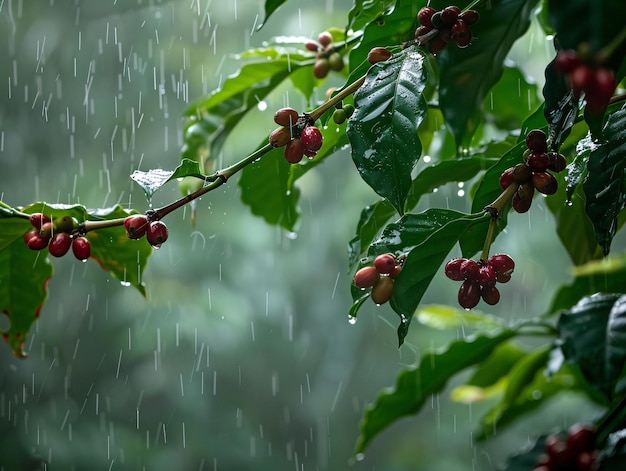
(538, 162)
(279, 137)
(47, 230)
(469, 294)
(436, 45)
(566, 60)
(450, 14)
(470, 270)
(81, 248)
(561, 457)
(312, 138)
(325, 38)
(294, 151)
(60, 244)
(521, 205)
(453, 269)
(581, 437)
(136, 226)
(336, 62)
(461, 33)
(396, 271)
(490, 294)
(424, 16)
(585, 460)
(36, 242)
(366, 277)
(581, 78)
(286, 117)
(378, 54)
(30, 234)
(157, 233)
(321, 68)
(470, 17)
(502, 264)
(522, 173)
(312, 46)
(507, 178)
(536, 141)
(486, 275)
(382, 290)
(421, 31)
(385, 263)
(545, 183)
(556, 162)
(38, 220)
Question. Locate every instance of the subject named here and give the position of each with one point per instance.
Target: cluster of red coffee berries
(380, 277)
(139, 225)
(587, 76)
(575, 452)
(479, 278)
(440, 27)
(532, 174)
(327, 56)
(296, 134)
(58, 236)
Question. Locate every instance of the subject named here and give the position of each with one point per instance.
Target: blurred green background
(241, 357)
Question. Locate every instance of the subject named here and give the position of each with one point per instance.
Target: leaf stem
(489, 238)
(496, 206)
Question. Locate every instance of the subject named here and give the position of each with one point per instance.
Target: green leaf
(593, 335)
(383, 130)
(372, 220)
(593, 281)
(439, 316)
(604, 185)
(577, 169)
(498, 365)
(527, 458)
(561, 106)
(365, 11)
(468, 74)
(432, 234)
(415, 386)
(270, 7)
(24, 274)
(154, 179)
(265, 189)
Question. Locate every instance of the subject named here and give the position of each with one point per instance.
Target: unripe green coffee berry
(339, 116)
(336, 61)
(321, 68)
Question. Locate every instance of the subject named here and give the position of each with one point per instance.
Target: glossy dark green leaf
(604, 185)
(527, 458)
(373, 219)
(265, 189)
(593, 335)
(561, 106)
(577, 169)
(536, 120)
(488, 190)
(270, 7)
(415, 386)
(365, 11)
(154, 179)
(383, 130)
(614, 452)
(468, 74)
(432, 234)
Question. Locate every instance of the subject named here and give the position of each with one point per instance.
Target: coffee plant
(410, 69)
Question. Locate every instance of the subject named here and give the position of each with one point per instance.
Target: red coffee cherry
(436, 45)
(286, 117)
(536, 141)
(502, 264)
(136, 226)
(294, 151)
(470, 269)
(556, 162)
(382, 290)
(453, 269)
(581, 78)
(396, 271)
(30, 234)
(470, 17)
(312, 138)
(325, 38)
(522, 173)
(421, 31)
(378, 54)
(507, 178)
(450, 14)
(60, 244)
(35, 241)
(47, 230)
(385, 264)
(321, 68)
(521, 205)
(486, 275)
(81, 248)
(280, 137)
(461, 34)
(545, 183)
(566, 60)
(312, 46)
(38, 220)
(581, 437)
(157, 233)
(538, 162)
(425, 15)
(366, 277)
(490, 294)
(469, 294)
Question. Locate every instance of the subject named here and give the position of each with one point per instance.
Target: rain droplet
(156, 247)
(360, 456)
(352, 320)
(292, 235)
(125, 283)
